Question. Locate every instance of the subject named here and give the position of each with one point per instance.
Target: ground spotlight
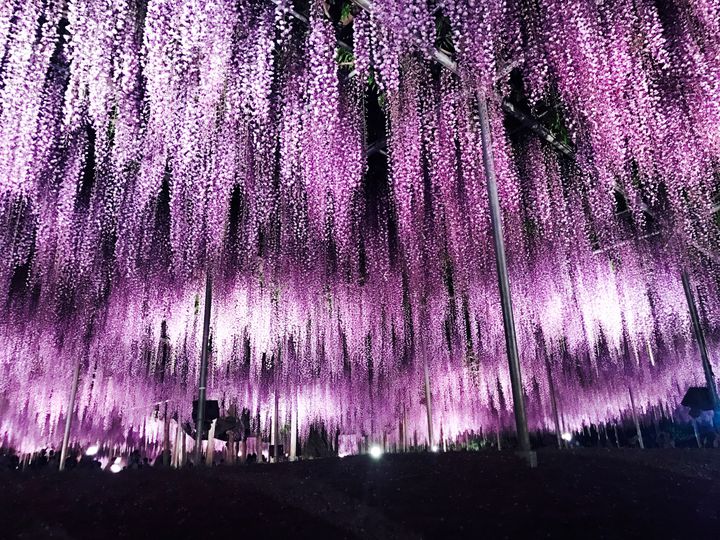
(116, 467)
(376, 451)
(567, 437)
(92, 450)
(434, 448)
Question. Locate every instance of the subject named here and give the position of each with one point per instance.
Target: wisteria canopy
(147, 143)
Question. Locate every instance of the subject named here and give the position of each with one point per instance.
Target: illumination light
(376, 452)
(567, 437)
(92, 450)
(116, 467)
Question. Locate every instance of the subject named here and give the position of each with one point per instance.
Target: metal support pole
(183, 448)
(428, 405)
(210, 452)
(166, 438)
(504, 285)
(69, 414)
(258, 437)
(505, 298)
(293, 427)
(553, 402)
(693, 421)
(635, 419)
(700, 338)
(203, 371)
(176, 449)
(274, 427)
(231, 449)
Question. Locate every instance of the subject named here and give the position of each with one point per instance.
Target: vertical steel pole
(700, 338)
(405, 429)
(504, 285)
(635, 419)
(274, 428)
(230, 448)
(69, 414)
(183, 448)
(553, 401)
(258, 439)
(695, 431)
(175, 449)
(166, 438)
(505, 299)
(210, 452)
(293, 427)
(428, 404)
(203, 371)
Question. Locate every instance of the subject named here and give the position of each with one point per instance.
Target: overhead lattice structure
(144, 144)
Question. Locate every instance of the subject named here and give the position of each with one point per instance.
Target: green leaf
(346, 11)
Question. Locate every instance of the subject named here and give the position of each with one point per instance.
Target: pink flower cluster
(140, 149)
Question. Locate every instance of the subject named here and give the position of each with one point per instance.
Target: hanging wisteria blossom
(147, 144)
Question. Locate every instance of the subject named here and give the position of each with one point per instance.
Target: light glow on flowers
(139, 151)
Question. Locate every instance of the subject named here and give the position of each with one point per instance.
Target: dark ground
(572, 494)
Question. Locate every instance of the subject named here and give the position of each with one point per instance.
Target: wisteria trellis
(143, 143)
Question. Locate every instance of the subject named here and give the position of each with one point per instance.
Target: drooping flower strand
(140, 153)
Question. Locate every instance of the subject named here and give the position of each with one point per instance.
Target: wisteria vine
(144, 144)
